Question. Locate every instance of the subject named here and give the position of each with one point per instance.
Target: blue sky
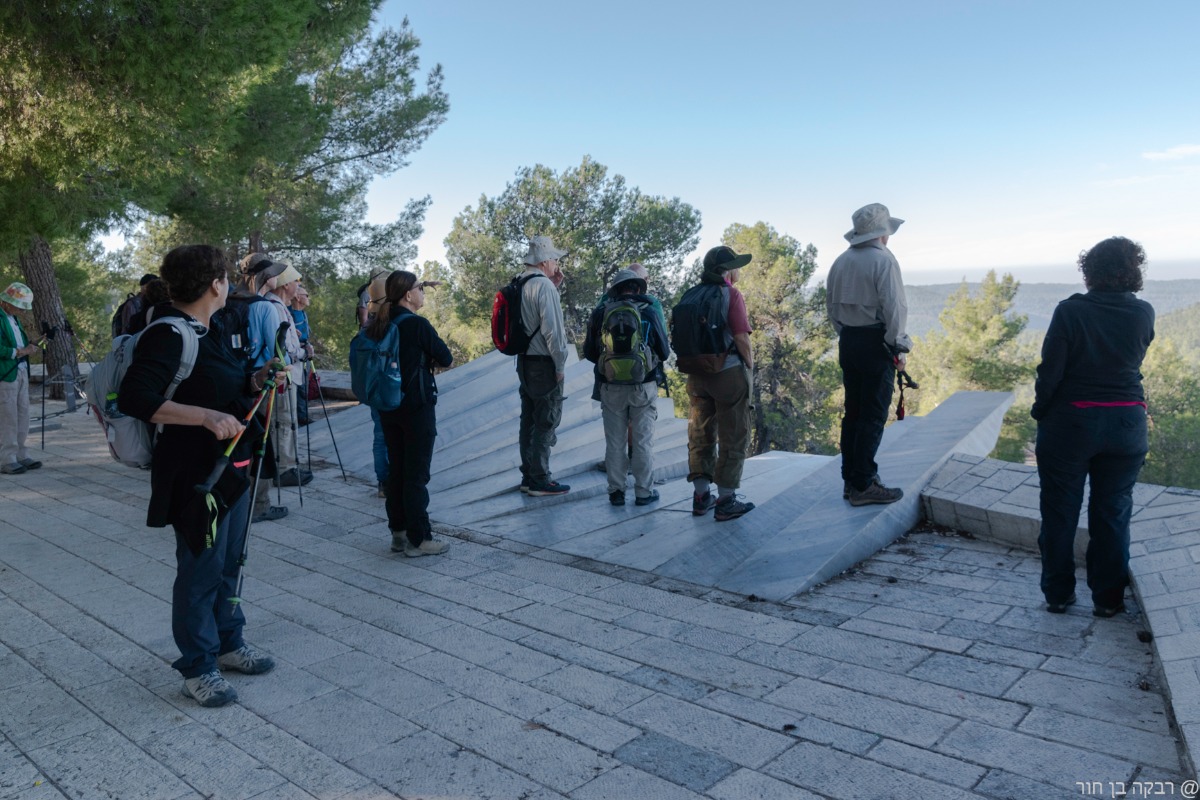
(1008, 134)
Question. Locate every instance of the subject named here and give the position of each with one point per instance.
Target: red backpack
(508, 334)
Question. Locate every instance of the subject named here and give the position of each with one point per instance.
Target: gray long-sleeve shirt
(865, 288)
(540, 306)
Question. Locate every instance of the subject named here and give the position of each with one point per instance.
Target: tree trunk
(38, 268)
(255, 243)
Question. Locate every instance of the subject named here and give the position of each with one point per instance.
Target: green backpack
(625, 354)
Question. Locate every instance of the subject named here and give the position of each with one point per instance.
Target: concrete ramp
(800, 534)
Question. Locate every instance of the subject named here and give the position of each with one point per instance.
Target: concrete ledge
(998, 501)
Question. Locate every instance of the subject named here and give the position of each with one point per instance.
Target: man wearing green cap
(15, 351)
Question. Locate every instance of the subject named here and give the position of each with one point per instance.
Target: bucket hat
(541, 248)
(625, 276)
(18, 295)
(723, 259)
(872, 222)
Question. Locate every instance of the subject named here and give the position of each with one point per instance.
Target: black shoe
(1061, 608)
(731, 508)
(648, 499)
(294, 477)
(616, 498)
(272, 513)
(1108, 611)
(701, 503)
(544, 489)
(875, 494)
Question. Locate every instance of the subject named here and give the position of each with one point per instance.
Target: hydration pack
(375, 369)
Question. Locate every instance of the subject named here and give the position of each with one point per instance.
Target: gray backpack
(129, 439)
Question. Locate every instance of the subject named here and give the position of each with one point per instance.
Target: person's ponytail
(398, 284)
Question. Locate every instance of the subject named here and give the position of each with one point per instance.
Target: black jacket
(1093, 351)
(420, 347)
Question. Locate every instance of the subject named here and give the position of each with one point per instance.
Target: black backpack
(234, 319)
(508, 334)
(698, 329)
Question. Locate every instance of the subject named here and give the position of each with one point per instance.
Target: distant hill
(1038, 300)
(1183, 327)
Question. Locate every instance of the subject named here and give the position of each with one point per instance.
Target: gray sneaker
(875, 494)
(246, 659)
(399, 541)
(210, 690)
(429, 547)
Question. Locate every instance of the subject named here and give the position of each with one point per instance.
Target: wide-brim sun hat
(625, 276)
(872, 222)
(723, 259)
(541, 248)
(18, 295)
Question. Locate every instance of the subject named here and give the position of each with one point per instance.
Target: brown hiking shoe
(875, 494)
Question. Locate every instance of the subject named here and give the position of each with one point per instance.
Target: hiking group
(214, 371)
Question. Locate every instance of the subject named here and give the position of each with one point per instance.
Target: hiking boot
(616, 498)
(1108, 611)
(847, 487)
(295, 476)
(29, 463)
(1061, 608)
(544, 489)
(427, 548)
(399, 541)
(731, 508)
(246, 659)
(272, 513)
(875, 494)
(13, 469)
(382, 491)
(702, 503)
(210, 690)
(648, 499)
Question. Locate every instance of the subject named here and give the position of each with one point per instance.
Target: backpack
(235, 322)
(375, 375)
(698, 329)
(625, 354)
(508, 334)
(118, 327)
(129, 439)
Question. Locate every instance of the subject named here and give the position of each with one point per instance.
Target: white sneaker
(246, 659)
(429, 547)
(210, 690)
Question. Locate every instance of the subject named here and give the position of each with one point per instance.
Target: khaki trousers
(14, 417)
(629, 412)
(719, 426)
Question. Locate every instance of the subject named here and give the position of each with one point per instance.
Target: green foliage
(465, 339)
(1173, 400)
(978, 346)
(796, 379)
(602, 222)
(1183, 327)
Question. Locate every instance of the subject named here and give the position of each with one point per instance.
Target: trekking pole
(325, 411)
(262, 452)
(304, 372)
(292, 416)
(223, 459)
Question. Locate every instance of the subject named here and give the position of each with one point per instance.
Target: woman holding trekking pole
(411, 429)
(205, 412)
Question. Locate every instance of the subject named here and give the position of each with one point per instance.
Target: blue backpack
(375, 369)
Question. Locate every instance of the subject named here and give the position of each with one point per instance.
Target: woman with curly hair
(204, 412)
(1091, 414)
(410, 430)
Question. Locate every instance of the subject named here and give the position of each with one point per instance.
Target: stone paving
(505, 670)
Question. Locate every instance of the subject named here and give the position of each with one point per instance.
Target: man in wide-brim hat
(15, 350)
(866, 304)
